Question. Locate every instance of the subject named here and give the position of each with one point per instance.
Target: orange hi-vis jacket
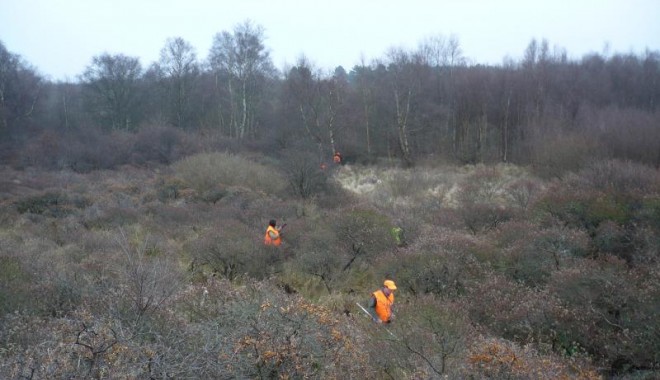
(272, 236)
(383, 305)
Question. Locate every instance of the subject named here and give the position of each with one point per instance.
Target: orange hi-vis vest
(272, 236)
(383, 305)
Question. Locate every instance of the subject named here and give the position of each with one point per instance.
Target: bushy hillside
(160, 272)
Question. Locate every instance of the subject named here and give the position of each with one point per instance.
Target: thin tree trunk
(505, 131)
(241, 132)
(66, 111)
(402, 124)
(366, 112)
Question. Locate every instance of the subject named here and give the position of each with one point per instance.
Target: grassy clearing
(405, 187)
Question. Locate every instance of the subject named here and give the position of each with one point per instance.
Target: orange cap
(390, 284)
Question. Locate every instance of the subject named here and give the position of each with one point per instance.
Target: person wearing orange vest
(273, 236)
(337, 158)
(381, 302)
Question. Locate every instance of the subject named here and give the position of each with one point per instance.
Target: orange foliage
(494, 357)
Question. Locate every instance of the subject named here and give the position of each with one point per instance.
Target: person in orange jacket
(273, 236)
(381, 302)
(337, 158)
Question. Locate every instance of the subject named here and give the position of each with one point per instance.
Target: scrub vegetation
(147, 278)
(516, 207)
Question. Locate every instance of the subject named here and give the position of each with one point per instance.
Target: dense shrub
(14, 285)
(53, 204)
(81, 150)
(627, 133)
(483, 185)
(555, 156)
(160, 144)
(364, 232)
(530, 295)
(518, 313)
(264, 333)
(149, 275)
(436, 264)
(431, 337)
(610, 312)
(204, 172)
(529, 253)
(304, 176)
(523, 192)
(480, 200)
(614, 202)
(318, 256)
(112, 218)
(95, 151)
(582, 208)
(87, 149)
(624, 178)
(232, 249)
(500, 359)
(483, 217)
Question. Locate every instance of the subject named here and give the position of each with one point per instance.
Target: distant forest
(408, 106)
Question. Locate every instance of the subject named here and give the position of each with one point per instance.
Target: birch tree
(179, 72)
(242, 60)
(318, 100)
(404, 84)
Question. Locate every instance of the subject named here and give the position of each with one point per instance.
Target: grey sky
(60, 37)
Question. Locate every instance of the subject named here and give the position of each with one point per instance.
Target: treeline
(546, 109)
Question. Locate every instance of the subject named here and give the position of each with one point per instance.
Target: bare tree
(179, 72)
(150, 282)
(318, 99)
(20, 88)
(241, 57)
(366, 92)
(113, 81)
(405, 86)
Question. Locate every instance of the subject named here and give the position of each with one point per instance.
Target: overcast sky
(60, 37)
